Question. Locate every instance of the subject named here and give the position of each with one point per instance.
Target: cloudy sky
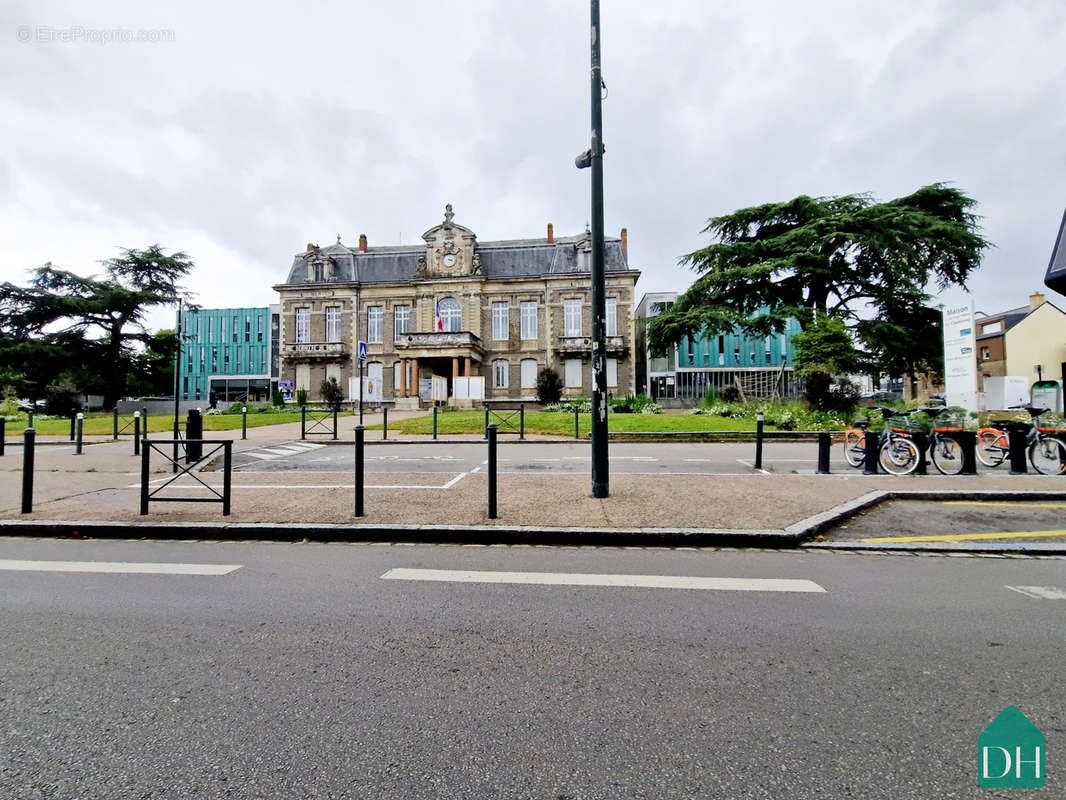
(239, 133)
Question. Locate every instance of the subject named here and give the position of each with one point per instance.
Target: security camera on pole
(593, 157)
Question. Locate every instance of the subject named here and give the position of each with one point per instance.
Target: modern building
(455, 319)
(761, 366)
(1029, 342)
(230, 354)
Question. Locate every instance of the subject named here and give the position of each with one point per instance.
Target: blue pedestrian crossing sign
(362, 351)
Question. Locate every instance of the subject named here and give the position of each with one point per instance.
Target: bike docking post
(114, 424)
(384, 422)
(1016, 440)
(825, 443)
(491, 436)
(758, 439)
(77, 439)
(435, 420)
(359, 470)
(921, 441)
(869, 466)
(244, 422)
(521, 421)
(968, 442)
(28, 438)
(136, 433)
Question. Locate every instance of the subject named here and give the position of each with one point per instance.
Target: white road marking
(238, 487)
(697, 459)
(118, 567)
(752, 466)
(277, 452)
(258, 455)
(590, 579)
(547, 459)
(1040, 592)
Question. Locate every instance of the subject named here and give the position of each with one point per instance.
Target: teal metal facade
(736, 349)
(227, 354)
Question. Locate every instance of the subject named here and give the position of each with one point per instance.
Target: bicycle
(944, 451)
(1044, 445)
(898, 455)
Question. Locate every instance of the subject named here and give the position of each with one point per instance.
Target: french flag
(438, 323)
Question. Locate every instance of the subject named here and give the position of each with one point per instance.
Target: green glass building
(229, 355)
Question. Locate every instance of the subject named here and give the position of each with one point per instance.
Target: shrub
(729, 394)
(301, 397)
(332, 393)
(549, 386)
(277, 398)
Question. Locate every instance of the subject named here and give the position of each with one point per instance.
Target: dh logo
(1012, 753)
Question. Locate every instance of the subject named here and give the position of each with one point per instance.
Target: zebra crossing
(282, 450)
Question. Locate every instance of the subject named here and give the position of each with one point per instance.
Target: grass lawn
(103, 424)
(561, 424)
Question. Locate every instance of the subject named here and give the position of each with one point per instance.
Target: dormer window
(318, 271)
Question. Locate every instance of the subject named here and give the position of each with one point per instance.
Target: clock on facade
(449, 260)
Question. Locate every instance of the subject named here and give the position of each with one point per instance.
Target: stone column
(403, 379)
(466, 367)
(414, 377)
(455, 369)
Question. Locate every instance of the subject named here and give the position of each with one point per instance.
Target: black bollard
(303, 422)
(825, 442)
(177, 436)
(136, 433)
(77, 439)
(921, 441)
(3, 433)
(227, 476)
(1016, 440)
(577, 431)
(334, 424)
(194, 434)
(758, 440)
(144, 420)
(492, 470)
(358, 470)
(384, 422)
(114, 423)
(521, 421)
(30, 423)
(968, 441)
(145, 455)
(434, 420)
(28, 437)
(244, 422)
(873, 442)
(485, 427)
(73, 418)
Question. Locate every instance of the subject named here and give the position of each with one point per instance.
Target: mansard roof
(510, 258)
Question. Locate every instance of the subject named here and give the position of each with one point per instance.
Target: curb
(475, 534)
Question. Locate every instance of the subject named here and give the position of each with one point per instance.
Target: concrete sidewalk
(102, 486)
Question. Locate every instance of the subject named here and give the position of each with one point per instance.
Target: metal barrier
(148, 493)
(319, 418)
(122, 426)
(505, 420)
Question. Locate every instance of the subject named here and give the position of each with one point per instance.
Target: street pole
(361, 363)
(177, 378)
(600, 477)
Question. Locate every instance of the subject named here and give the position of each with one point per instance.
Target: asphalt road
(959, 520)
(653, 458)
(304, 674)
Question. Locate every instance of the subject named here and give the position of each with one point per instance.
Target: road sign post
(362, 363)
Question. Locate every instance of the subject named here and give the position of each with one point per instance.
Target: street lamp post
(600, 477)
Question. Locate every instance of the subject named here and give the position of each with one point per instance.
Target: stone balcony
(314, 350)
(583, 344)
(440, 341)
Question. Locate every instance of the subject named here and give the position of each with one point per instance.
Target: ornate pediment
(449, 250)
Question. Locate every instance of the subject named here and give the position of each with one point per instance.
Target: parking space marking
(252, 486)
(968, 537)
(590, 579)
(1040, 592)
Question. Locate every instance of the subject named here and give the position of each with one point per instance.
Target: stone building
(455, 310)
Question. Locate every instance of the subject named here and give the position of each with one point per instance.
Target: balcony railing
(440, 339)
(314, 350)
(583, 344)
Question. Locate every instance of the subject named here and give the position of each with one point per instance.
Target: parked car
(877, 398)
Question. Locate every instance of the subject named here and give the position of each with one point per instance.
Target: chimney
(362, 242)
(625, 244)
(551, 234)
(1036, 299)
